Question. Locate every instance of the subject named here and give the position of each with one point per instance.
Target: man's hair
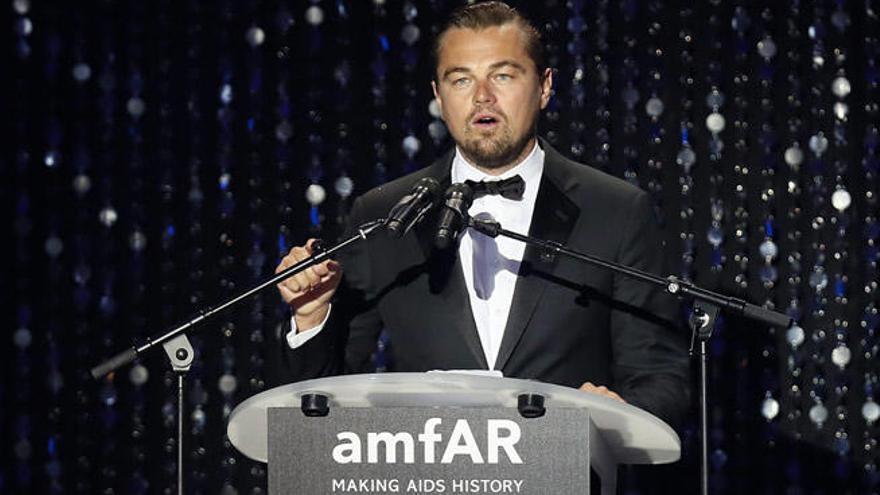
(492, 14)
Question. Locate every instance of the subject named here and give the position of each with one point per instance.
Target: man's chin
(491, 160)
(490, 153)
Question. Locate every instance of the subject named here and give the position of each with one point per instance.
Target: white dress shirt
(490, 286)
(490, 283)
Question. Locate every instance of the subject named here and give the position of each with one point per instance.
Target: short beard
(497, 152)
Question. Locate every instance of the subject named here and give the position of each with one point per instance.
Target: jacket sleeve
(650, 368)
(348, 340)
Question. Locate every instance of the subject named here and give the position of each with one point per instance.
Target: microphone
(412, 207)
(452, 219)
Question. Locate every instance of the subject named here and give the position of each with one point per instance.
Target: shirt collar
(530, 169)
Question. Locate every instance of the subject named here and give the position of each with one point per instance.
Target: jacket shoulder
(586, 182)
(378, 200)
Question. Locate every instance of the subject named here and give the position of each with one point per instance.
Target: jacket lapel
(445, 276)
(553, 219)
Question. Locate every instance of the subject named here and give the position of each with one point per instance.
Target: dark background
(156, 155)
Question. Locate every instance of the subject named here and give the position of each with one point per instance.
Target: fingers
(588, 387)
(615, 396)
(324, 270)
(312, 279)
(307, 278)
(302, 280)
(600, 390)
(329, 270)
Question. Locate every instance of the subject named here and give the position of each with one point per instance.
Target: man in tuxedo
(487, 303)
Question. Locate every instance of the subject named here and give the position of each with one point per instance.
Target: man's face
(490, 94)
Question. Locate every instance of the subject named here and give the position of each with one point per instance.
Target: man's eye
(461, 81)
(503, 77)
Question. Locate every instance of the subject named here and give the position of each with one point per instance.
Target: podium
(444, 432)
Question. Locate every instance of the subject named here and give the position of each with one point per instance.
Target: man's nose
(484, 94)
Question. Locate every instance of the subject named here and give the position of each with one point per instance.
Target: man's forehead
(458, 45)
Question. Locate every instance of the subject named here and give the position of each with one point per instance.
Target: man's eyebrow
(455, 69)
(507, 63)
(495, 66)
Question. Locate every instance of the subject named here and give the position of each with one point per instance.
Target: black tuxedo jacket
(569, 322)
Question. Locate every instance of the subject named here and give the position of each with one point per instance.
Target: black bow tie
(511, 188)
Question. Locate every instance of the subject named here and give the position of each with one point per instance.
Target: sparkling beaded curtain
(158, 156)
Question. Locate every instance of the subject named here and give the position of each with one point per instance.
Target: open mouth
(485, 121)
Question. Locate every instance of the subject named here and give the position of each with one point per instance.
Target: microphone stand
(180, 351)
(707, 305)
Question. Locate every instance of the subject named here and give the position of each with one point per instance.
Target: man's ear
(437, 97)
(546, 87)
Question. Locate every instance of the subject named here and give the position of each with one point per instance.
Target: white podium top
(633, 435)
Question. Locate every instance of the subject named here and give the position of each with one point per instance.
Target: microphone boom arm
(129, 355)
(671, 284)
